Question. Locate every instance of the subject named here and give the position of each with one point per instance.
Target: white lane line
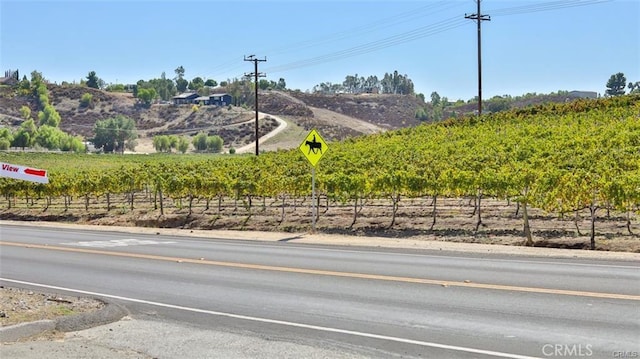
(281, 322)
(115, 243)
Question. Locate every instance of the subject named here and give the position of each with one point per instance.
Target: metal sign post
(313, 199)
(313, 148)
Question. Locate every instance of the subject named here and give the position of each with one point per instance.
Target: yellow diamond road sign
(313, 147)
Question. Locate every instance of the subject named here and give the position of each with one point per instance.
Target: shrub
(86, 100)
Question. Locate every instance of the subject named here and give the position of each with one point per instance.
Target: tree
(49, 137)
(25, 112)
(498, 103)
(163, 86)
(634, 87)
(183, 144)
(264, 84)
(25, 136)
(211, 83)
(196, 84)
(22, 139)
(24, 86)
(161, 143)
(179, 72)
(49, 116)
(71, 143)
(214, 144)
(5, 138)
(435, 99)
(181, 83)
(616, 85)
(147, 95)
(115, 134)
(200, 141)
(282, 84)
(93, 80)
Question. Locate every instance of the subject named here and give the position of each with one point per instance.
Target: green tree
(161, 143)
(179, 72)
(183, 144)
(24, 86)
(49, 137)
(69, 143)
(115, 88)
(498, 103)
(282, 84)
(264, 84)
(435, 99)
(22, 139)
(211, 83)
(421, 114)
(5, 144)
(25, 136)
(200, 141)
(164, 87)
(49, 116)
(181, 83)
(634, 87)
(616, 85)
(196, 84)
(214, 144)
(36, 80)
(6, 137)
(93, 80)
(25, 112)
(147, 95)
(115, 134)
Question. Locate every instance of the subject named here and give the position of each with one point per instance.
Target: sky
(539, 46)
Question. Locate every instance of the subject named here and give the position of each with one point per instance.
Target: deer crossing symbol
(314, 146)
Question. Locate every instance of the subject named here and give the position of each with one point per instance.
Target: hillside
(336, 117)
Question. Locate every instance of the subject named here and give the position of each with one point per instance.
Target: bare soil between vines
(456, 219)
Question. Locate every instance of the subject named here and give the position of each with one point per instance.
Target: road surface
(369, 301)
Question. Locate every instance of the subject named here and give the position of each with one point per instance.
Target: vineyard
(535, 174)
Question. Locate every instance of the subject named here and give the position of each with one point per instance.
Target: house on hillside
(202, 100)
(220, 99)
(184, 98)
(10, 78)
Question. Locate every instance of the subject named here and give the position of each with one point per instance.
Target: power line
(549, 6)
(412, 35)
(394, 40)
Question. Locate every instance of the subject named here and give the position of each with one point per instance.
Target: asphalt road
(369, 301)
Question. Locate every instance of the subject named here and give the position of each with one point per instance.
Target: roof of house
(185, 95)
(219, 94)
(201, 98)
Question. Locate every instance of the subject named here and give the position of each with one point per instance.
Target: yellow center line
(333, 273)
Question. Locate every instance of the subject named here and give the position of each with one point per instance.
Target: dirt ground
(21, 306)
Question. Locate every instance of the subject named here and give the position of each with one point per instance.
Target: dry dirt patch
(22, 305)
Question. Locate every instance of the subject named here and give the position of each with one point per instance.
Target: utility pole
(256, 74)
(479, 18)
